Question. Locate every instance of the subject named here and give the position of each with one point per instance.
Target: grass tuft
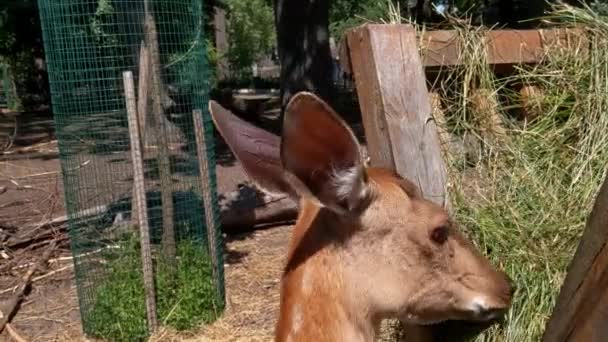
(185, 297)
(526, 199)
(522, 189)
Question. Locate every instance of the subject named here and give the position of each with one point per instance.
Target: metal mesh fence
(88, 46)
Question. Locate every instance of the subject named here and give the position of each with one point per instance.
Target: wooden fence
(388, 64)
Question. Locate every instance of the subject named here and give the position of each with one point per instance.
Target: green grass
(186, 296)
(525, 196)
(526, 200)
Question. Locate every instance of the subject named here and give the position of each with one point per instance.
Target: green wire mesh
(88, 45)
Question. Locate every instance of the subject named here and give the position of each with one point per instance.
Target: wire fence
(88, 46)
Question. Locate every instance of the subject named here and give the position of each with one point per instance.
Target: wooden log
(581, 311)
(237, 215)
(140, 203)
(395, 106)
(240, 213)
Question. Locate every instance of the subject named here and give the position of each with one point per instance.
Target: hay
(254, 264)
(524, 198)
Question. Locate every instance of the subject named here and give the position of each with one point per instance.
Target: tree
(22, 49)
(250, 34)
(303, 46)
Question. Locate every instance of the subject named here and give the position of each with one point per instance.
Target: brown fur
(367, 245)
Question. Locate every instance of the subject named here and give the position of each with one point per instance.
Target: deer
(366, 245)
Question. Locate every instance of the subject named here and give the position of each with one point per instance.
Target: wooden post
(395, 105)
(142, 91)
(164, 166)
(201, 151)
(140, 201)
(581, 312)
(396, 110)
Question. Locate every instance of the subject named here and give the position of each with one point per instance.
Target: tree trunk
(516, 14)
(303, 45)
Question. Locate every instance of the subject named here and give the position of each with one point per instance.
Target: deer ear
(257, 150)
(322, 154)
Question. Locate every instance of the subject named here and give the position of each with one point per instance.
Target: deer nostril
(483, 312)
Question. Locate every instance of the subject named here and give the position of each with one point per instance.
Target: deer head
(366, 245)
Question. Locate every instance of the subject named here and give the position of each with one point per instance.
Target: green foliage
(600, 7)
(101, 21)
(344, 14)
(527, 197)
(184, 297)
(251, 34)
(20, 47)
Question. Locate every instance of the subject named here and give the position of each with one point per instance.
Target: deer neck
(316, 302)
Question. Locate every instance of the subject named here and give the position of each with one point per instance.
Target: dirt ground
(31, 193)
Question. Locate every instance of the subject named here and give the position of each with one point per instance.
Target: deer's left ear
(323, 154)
(257, 150)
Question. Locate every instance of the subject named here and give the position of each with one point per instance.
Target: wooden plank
(439, 48)
(395, 106)
(581, 310)
(514, 47)
(504, 47)
(203, 165)
(143, 87)
(140, 201)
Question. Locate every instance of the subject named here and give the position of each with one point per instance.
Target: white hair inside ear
(349, 186)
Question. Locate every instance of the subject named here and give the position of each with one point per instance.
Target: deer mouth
(490, 315)
(460, 330)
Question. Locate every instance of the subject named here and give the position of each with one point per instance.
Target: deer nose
(484, 312)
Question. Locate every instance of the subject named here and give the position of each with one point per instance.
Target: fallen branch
(20, 289)
(39, 278)
(52, 261)
(238, 214)
(11, 331)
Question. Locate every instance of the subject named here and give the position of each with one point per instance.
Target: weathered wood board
(504, 47)
(581, 313)
(395, 106)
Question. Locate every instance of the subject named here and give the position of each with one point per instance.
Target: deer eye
(439, 235)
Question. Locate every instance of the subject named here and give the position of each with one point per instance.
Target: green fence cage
(88, 45)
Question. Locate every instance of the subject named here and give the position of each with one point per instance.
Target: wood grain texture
(213, 231)
(140, 201)
(581, 312)
(395, 106)
(504, 47)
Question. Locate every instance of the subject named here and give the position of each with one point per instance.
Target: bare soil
(32, 193)
(253, 263)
